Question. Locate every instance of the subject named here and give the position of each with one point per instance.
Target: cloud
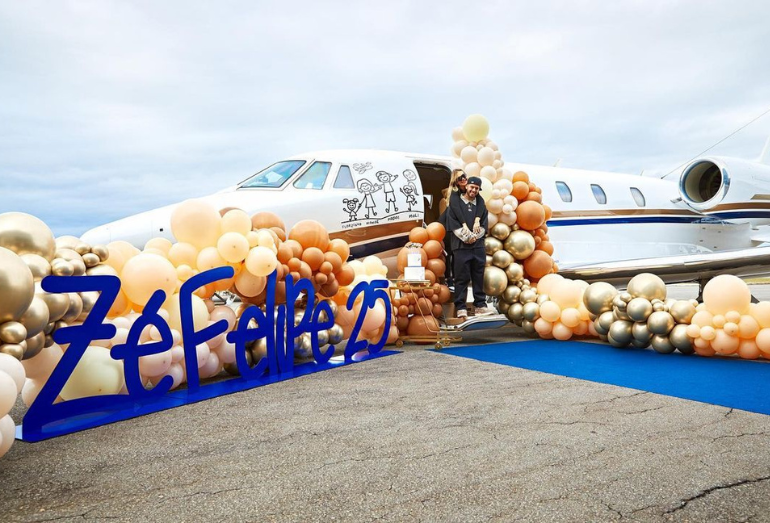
(110, 108)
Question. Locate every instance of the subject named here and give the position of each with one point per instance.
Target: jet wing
(743, 263)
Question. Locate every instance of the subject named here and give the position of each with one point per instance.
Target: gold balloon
(502, 306)
(639, 309)
(682, 311)
(38, 265)
(662, 344)
(91, 259)
(679, 339)
(500, 231)
(57, 304)
(515, 272)
(66, 242)
(531, 311)
(35, 318)
(528, 326)
(34, 345)
(648, 286)
(605, 320)
(79, 267)
(13, 349)
(25, 234)
(74, 309)
(492, 245)
(515, 312)
(335, 334)
(528, 296)
(259, 349)
(12, 332)
(620, 314)
(101, 270)
(17, 288)
(488, 261)
(67, 254)
(323, 338)
(333, 307)
(495, 281)
(102, 252)
(502, 259)
(598, 297)
(660, 323)
(542, 298)
(82, 248)
(641, 333)
(511, 294)
(620, 333)
(639, 344)
(521, 244)
(61, 267)
(626, 296)
(600, 328)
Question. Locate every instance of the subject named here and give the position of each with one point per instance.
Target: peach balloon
(723, 343)
(547, 283)
(314, 257)
(567, 294)
(520, 190)
(261, 261)
(238, 221)
(726, 293)
(310, 233)
(761, 312)
(265, 220)
(183, 253)
(433, 249)
(437, 266)
(521, 176)
(762, 340)
(702, 318)
(570, 317)
(708, 333)
(538, 264)
(249, 284)
(419, 235)
(561, 332)
(341, 247)
(233, 247)
(161, 244)
(542, 325)
(748, 350)
(196, 222)
(550, 311)
(209, 258)
(145, 273)
(531, 215)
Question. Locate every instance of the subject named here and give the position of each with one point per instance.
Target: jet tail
(764, 157)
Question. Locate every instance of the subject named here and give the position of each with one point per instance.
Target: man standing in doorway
(468, 221)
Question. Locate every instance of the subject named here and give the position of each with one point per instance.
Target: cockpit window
(314, 177)
(344, 178)
(599, 194)
(564, 192)
(273, 176)
(638, 197)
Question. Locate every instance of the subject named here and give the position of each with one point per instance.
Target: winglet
(765, 156)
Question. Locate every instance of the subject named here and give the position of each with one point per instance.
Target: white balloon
(8, 393)
(486, 156)
(492, 145)
(506, 174)
(7, 434)
(30, 391)
(489, 173)
(457, 134)
(497, 164)
(498, 156)
(155, 364)
(457, 147)
(14, 369)
(41, 365)
(472, 169)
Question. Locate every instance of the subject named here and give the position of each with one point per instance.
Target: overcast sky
(108, 108)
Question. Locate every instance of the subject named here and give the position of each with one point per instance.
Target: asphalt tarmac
(418, 436)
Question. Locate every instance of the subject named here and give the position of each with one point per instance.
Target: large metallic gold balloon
(515, 312)
(679, 339)
(495, 281)
(648, 286)
(531, 311)
(598, 297)
(34, 345)
(521, 244)
(620, 333)
(502, 259)
(74, 309)
(17, 288)
(515, 272)
(13, 349)
(662, 344)
(12, 332)
(641, 333)
(639, 309)
(682, 311)
(500, 231)
(23, 233)
(38, 265)
(35, 318)
(492, 245)
(511, 294)
(660, 322)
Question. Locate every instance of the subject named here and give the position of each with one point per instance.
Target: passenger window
(564, 193)
(599, 194)
(638, 197)
(344, 178)
(314, 177)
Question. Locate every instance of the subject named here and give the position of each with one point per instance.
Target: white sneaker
(462, 314)
(484, 311)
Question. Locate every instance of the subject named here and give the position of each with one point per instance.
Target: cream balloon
(468, 154)
(183, 253)
(145, 273)
(196, 222)
(475, 128)
(161, 244)
(472, 169)
(261, 261)
(199, 309)
(96, 374)
(233, 247)
(236, 220)
(726, 293)
(490, 174)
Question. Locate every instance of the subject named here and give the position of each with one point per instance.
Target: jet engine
(708, 182)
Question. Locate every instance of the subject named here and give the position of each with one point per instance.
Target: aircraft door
(434, 180)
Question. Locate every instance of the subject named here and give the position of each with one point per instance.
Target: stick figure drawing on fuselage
(412, 177)
(408, 191)
(351, 207)
(366, 188)
(387, 179)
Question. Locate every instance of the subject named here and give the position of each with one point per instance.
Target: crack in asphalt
(683, 503)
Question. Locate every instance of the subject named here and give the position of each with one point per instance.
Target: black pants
(469, 267)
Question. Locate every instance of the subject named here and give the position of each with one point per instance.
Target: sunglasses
(462, 177)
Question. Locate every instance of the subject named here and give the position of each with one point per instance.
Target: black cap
(474, 180)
